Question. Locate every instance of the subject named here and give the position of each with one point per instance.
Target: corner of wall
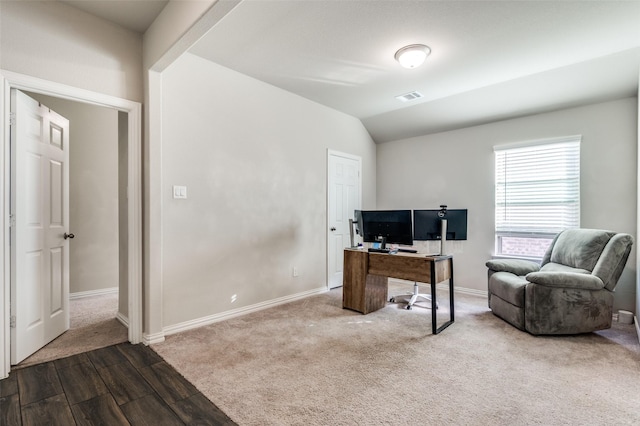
(638, 209)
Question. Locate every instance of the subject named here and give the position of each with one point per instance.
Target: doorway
(131, 111)
(344, 188)
(97, 290)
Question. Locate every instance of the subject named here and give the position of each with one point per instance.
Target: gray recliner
(570, 292)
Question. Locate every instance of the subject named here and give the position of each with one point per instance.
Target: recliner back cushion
(580, 248)
(612, 261)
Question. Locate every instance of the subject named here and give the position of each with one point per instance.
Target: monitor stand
(351, 223)
(443, 236)
(383, 246)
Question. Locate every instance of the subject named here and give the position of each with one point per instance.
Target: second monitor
(427, 224)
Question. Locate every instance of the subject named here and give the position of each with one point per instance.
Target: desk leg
(376, 293)
(434, 305)
(452, 316)
(434, 318)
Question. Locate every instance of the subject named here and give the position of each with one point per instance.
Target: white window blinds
(538, 187)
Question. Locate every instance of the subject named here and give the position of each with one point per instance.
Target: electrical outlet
(295, 271)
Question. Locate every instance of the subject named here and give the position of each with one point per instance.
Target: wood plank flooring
(118, 385)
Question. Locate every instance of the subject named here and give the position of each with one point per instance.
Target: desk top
(434, 257)
(407, 266)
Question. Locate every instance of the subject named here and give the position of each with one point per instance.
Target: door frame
(11, 80)
(334, 153)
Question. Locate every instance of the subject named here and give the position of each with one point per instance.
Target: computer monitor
(386, 226)
(426, 224)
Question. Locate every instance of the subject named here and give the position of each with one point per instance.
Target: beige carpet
(93, 325)
(312, 363)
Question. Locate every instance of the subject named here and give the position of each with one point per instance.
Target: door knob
(68, 236)
(333, 228)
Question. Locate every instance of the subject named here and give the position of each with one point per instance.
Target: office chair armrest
(566, 280)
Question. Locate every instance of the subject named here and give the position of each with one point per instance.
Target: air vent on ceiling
(411, 96)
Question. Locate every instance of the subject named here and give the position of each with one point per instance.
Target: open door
(39, 226)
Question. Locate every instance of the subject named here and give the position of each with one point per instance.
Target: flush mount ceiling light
(412, 56)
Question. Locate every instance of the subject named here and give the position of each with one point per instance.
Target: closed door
(39, 229)
(344, 184)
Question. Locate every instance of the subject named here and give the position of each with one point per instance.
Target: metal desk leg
(434, 321)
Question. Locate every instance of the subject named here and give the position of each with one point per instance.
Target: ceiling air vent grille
(411, 96)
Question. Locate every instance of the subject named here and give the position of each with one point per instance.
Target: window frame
(533, 234)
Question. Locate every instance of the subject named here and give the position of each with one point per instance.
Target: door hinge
(12, 321)
(12, 221)
(12, 118)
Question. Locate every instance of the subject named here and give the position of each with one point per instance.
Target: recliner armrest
(566, 280)
(515, 266)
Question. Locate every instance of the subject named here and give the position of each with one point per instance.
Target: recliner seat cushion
(556, 267)
(508, 287)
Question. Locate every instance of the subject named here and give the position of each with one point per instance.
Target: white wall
(253, 158)
(457, 168)
(93, 193)
(56, 42)
(177, 27)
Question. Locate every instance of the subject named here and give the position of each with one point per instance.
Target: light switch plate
(179, 191)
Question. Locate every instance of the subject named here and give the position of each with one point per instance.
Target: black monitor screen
(427, 224)
(394, 225)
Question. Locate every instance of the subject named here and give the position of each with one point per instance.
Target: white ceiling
(490, 60)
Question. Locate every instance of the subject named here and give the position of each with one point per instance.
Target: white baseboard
(123, 320)
(149, 339)
(100, 292)
(472, 291)
(444, 286)
(200, 322)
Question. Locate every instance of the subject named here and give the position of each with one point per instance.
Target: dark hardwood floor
(118, 385)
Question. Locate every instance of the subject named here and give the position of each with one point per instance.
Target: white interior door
(40, 220)
(344, 183)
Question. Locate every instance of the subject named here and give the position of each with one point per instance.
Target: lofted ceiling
(490, 60)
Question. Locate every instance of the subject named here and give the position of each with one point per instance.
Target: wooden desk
(366, 275)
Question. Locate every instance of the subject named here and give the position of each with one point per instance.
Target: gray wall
(93, 193)
(254, 160)
(457, 168)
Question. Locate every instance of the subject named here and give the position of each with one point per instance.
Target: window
(537, 194)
